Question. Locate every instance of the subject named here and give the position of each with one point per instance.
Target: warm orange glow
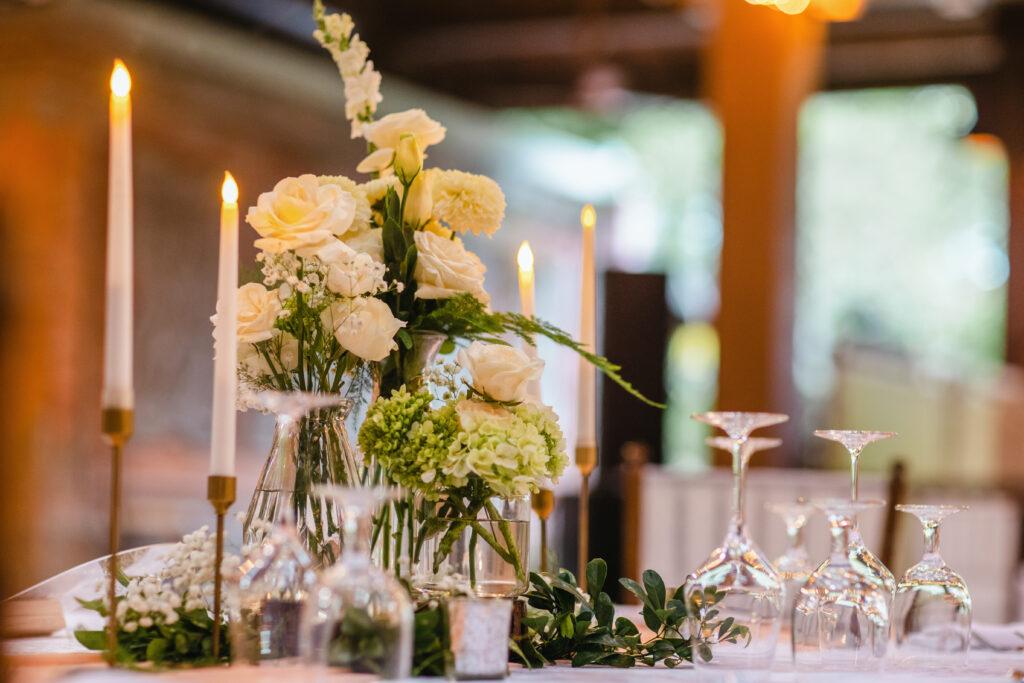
(588, 217)
(229, 190)
(120, 79)
(840, 10)
(827, 10)
(524, 257)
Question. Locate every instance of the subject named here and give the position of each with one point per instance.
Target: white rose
(500, 372)
(302, 215)
(351, 273)
(369, 242)
(363, 326)
(445, 268)
(386, 131)
(258, 308)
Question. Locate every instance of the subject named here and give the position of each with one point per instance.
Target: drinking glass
(933, 607)
(794, 565)
(737, 586)
(842, 613)
(854, 440)
(359, 617)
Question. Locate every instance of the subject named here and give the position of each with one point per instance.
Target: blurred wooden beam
(760, 67)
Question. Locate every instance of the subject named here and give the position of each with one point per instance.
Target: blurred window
(901, 234)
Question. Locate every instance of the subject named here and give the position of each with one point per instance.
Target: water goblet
(932, 611)
(841, 616)
(359, 617)
(854, 440)
(737, 586)
(794, 565)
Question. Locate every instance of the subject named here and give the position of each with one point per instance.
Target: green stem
(506, 532)
(472, 558)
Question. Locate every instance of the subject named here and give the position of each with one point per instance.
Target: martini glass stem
(854, 474)
(739, 469)
(931, 542)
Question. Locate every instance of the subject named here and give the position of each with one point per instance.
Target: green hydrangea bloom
(409, 440)
(512, 449)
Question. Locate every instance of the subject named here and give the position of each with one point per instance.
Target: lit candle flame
(229, 190)
(120, 79)
(524, 257)
(588, 217)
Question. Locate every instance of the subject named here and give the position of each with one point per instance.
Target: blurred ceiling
(542, 52)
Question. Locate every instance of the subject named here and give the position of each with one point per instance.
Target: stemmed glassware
(933, 607)
(743, 587)
(842, 616)
(794, 565)
(359, 617)
(842, 613)
(854, 440)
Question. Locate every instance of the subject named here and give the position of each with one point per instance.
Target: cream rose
(386, 132)
(351, 273)
(363, 326)
(370, 242)
(302, 215)
(501, 372)
(258, 308)
(445, 268)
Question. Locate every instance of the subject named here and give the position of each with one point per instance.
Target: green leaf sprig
(564, 624)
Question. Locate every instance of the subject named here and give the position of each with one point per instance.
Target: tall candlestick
(117, 351)
(222, 442)
(586, 423)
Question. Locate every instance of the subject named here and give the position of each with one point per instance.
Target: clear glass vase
(311, 447)
(483, 553)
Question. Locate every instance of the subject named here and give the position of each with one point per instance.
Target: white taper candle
(117, 389)
(586, 422)
(225, 382)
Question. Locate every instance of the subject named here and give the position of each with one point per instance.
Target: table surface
(45, 660)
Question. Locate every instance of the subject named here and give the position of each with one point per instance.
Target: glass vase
(311, 447)
(484, 553)
(396, 524)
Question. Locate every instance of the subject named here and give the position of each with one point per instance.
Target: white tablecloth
(38, 660)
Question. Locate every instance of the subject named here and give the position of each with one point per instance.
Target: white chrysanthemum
(466, 202)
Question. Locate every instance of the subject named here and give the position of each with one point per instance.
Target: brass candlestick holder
(117, 425)
(586, 462)
(220, 491)
(543, 503)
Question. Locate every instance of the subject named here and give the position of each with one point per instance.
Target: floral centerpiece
(465, 449)
(363, 283)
